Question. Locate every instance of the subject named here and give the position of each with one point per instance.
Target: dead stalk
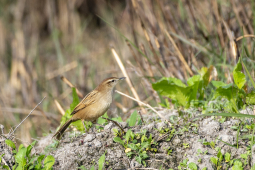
(117, 58)
(142, 103)
(26, 117)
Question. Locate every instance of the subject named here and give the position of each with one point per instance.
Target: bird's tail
(62, 129)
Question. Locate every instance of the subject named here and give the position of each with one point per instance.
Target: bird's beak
(122, 78)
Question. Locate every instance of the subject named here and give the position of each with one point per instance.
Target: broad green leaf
(10, 143)
(49, 162)
(92, 167)
(218, 84)
(239, 77)
(227, 157)
(20, 156)
(192, 166)
(6, 167)
(132, 120)
(118, 140)
(214, 160)
(192, 80)
(101, 162)
(174, 89)
(250, 98)
(237, 165)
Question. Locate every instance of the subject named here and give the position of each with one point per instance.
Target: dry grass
(44, 40)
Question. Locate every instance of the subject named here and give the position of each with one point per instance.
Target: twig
(117, 58)
(26, 117)
(71, 85)
(6, 163)
(115, 124)
(138, 101)
(241, 37)
(141, 116)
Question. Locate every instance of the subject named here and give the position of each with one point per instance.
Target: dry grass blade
(59, 107)
(127, 77)
(63, 69)
(241, 37)
(71, 85)
(147, 105)
(233, 45)
(180, 54)
(26, 117)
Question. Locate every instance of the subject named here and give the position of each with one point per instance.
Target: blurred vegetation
(40, 41)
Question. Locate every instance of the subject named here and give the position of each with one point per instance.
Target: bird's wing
(86, 101)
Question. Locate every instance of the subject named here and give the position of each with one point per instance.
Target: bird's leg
(95, 123)
(84, 126)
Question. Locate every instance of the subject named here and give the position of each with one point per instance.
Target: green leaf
(82, 168)
(219, 155)
(29, 148)
(138, 159)
(92, 167)
(174, 89)
(239, 77)
(75, 99)
(49, 162)
(132, 120)
(128, 134)
(218, 84)
(227, 157)
(10, 143)
(6, 167)
(214, 160)
(192, 166)
(118, 140)
(101, 162)
(39, 162)
(204, 168)
(117, 119)
(77, 124)
(237, 165)
(250, 98)
(20, 156)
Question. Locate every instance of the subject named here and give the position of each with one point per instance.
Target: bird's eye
(113, 80)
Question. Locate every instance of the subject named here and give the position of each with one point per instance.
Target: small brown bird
(93, 105)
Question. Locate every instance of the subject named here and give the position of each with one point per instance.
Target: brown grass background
(42, 40)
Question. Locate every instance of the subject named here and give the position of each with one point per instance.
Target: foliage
(233, 95)
(137, 145)
(77, 124)
(24, 160)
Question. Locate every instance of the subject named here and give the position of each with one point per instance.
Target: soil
(187, 143)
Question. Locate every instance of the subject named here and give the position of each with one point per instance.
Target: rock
(89, 137)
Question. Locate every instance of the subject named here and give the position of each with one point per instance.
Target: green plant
(137, 145)
(192, 166)
(24, 160)
(78, 124)
(183, 164)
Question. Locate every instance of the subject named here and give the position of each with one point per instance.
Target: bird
(93, 105)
